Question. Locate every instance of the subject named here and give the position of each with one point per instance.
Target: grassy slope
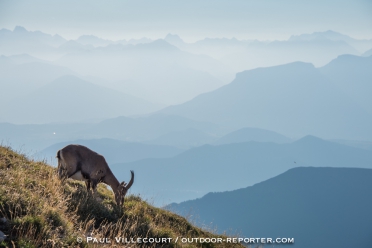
(40, 211)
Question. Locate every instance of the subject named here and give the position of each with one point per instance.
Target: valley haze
(245, 117)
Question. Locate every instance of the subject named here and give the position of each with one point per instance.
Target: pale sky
(191, 19)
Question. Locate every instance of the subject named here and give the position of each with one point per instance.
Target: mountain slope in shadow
(315, 206)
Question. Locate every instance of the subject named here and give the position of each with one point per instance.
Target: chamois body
(80, 163)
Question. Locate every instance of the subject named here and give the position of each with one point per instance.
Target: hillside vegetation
(37, 210)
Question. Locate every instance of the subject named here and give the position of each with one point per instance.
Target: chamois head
(122, 190)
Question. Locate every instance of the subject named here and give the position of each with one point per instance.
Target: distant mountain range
(155, 71)
(36, 137)
(23, 74)
(252, 134)
(20, 34)
(154, 129)
(356, 143)
(35, 43)
(317, 52)
(317, 48)
(185, 139)
(138, 67)
(93, 40)
(25, 58)
(152, 70)
(293, 99)
(318, 207)
(353, 74)
(151, 127)
(70, 99)
(96, 41)
(192, 137)
(360, 45)
(73, 47)
(367, 53)
(114, 151)
(207, 168)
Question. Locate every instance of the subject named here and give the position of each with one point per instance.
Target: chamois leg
(95, 193)
(87, 183)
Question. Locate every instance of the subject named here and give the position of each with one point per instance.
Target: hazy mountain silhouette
(156, 45)
(155, 71)
(185, 139)
(315, 206)
(115, 151)
(175, 40)
(353, 74)
(6, 60)
(216, 48)
(318, 48)
(18, 79)
(34, 43)
(70, 99)
(356, 143)
(135, 41)
(148, 67)
(204, 169)
(36, 137)
(233, 54)
(221, 42)
(293, 99)
(360, 45)
(327, 35)
(93, 40)
(367, 53)
(74, 47)
(252, 134)
(151, 127)
(25, 58)
(259, 54)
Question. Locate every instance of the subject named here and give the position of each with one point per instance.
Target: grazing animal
(80, 163)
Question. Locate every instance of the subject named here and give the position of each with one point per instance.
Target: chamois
(80, 163)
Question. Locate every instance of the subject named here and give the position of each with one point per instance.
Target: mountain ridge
(82, 103)
(319, 202)
(236, 165)
(297, 96)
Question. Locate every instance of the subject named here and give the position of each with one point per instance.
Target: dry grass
(40, 211)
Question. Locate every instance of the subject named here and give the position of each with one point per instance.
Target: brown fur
(75, 159)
